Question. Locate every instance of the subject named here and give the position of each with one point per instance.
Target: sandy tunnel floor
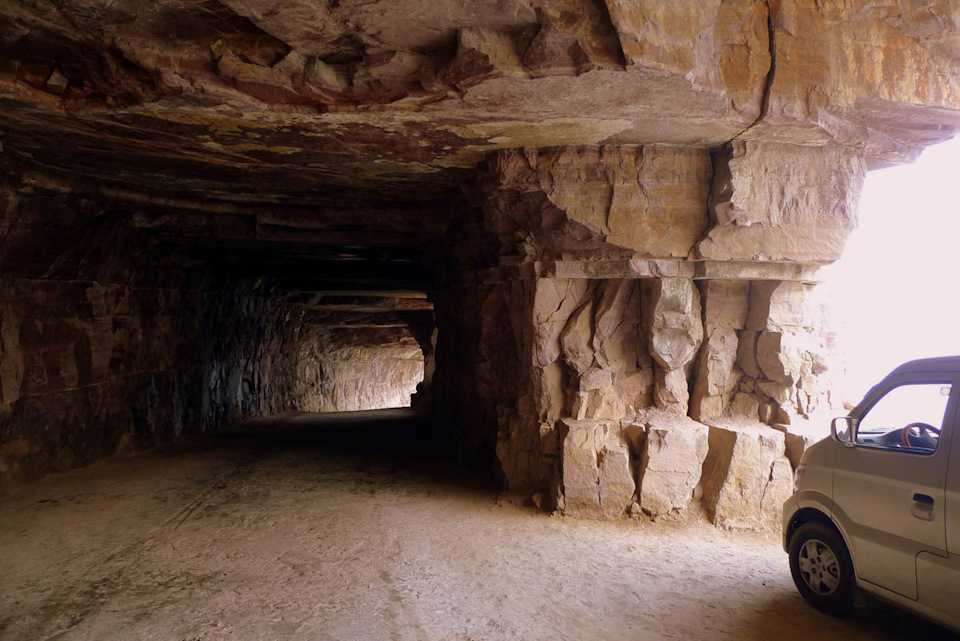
(297, 537)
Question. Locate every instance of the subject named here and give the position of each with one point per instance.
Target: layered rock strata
(114, 340)
(652, 365)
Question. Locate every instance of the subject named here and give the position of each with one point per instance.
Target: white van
(876, 506)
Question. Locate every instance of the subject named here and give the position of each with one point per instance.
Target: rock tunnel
(584, 236)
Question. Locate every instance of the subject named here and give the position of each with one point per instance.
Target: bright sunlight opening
(892, 293)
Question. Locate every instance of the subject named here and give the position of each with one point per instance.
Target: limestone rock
(597, 482)
(673, 454)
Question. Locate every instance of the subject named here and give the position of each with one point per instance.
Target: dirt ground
(296, 534)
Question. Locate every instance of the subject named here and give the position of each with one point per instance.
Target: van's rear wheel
(822, 569)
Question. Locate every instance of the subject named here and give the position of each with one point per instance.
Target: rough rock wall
(401, 95)
(344, 370)
(113, 340)
(655, 365)
(98, 353)
(480, 375)
(249, 355)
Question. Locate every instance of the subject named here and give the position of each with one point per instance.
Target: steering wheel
(927, 436)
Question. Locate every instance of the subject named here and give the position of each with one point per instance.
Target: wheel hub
(819, 567)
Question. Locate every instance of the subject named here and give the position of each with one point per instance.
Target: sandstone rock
(783, 202)
(670, 467)
(769, 411)
(745, 405)
(725, 303)
(778, 358)
(576, 339)
(595, 378)
(746, 477)
(628, 201)
(617, 327)
(597, 482)
(731, 36)
(717, 376)
(554, 302)
(671, 391)
(778, 489)
(747, 354)
(778, 306)
(672, 320)
(848, 96)
(775, 391)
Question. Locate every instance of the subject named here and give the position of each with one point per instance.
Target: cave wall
(98, 352)
(347, 370)
(115, 340)
(647, 339)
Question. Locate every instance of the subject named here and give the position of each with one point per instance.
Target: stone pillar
(652, 297)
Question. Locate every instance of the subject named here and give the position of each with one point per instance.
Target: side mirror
(844, 429)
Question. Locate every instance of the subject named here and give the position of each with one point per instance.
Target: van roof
(939, 364)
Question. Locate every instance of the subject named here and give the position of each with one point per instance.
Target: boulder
(671, 462)
(596, 479)
(746, 476)
(778, 358)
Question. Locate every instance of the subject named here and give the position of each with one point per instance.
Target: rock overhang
(359, 100)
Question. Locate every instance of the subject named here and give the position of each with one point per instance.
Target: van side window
(908, 417)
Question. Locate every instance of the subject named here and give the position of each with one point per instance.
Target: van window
(908, 417)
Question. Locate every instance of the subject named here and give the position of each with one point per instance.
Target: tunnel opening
(610, 303)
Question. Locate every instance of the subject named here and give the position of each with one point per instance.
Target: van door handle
(922, 507)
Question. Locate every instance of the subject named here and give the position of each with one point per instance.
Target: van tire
(822, 569)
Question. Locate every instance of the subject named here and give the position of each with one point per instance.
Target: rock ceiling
(336, 119)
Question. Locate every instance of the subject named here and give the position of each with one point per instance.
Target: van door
(889, 487)
(938, 577)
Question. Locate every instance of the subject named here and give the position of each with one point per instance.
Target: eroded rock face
(348, 370)
(402, 96)
(597, 479)
(781, 202)
(616, 207)
(746, 477)
(674, 449)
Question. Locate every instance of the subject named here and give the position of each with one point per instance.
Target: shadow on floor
(875, 618)
(400, 438)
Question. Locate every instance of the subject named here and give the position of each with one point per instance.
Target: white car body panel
(904, 551)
